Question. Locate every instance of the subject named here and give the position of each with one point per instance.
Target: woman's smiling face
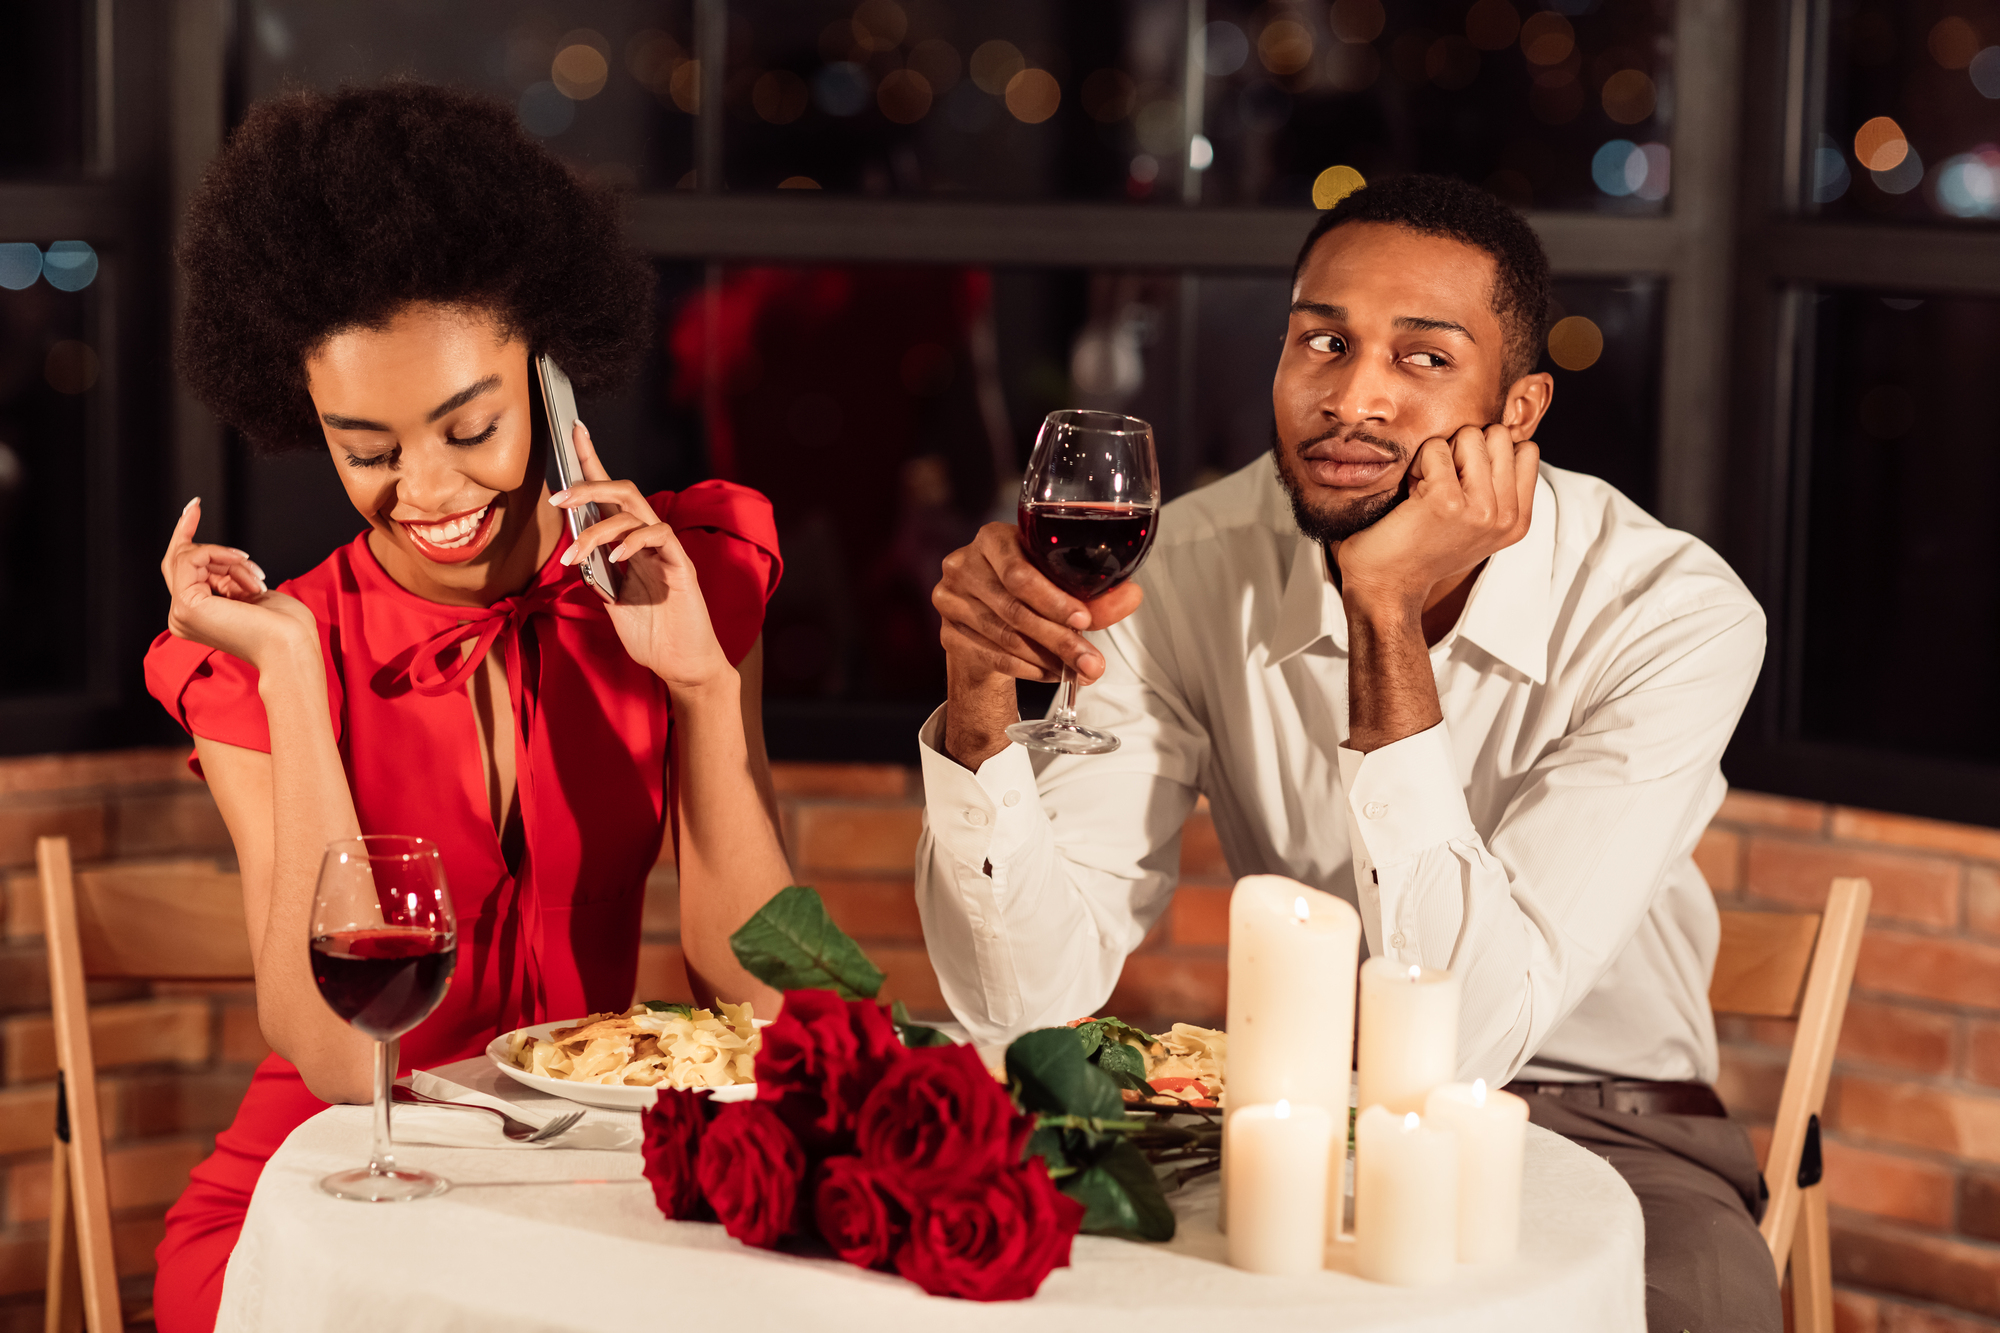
(429, 419)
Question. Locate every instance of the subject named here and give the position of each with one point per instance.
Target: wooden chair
(1796, 965)
(181, 922)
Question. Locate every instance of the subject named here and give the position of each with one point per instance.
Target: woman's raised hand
(219, 598)
(660, 615)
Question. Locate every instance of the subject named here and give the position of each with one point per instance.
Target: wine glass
(1090, 505)
(384, 940)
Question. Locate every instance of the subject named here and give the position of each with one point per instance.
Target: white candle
(1278, 1177)
(1405, 1199)
(1292, 955)
(1409, 1033)
(1492, 1129)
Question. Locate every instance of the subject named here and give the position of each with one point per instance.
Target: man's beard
(1324, 526)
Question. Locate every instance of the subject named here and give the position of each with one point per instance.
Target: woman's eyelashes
(389, 456)
(470, 440)
(372, 460)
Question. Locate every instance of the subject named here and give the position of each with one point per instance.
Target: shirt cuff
(1404, 798)
(980, 817)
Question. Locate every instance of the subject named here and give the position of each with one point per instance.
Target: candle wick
(1416, 972)
(1302, 910)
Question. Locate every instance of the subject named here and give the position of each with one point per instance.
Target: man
(1482, 699)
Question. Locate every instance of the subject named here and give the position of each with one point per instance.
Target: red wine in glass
(383, 942)
(384, 981)
(1087, 549)
(1090, 505)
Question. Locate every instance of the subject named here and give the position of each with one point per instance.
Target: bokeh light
(1223, 49)
(1629, 96)
(1614, 170)
(1887, 412)
(650, 57)
(1968, 185)
(1984, 69)
(1492, 25)
(779, 97)
(1954, 42)
(1033, 96)
(994, 65)
(1547, 39)
(544, 111)
(798, 183)
(842, 88)
(879, 25)
(1575, 343)
(1107, 95)
(1201, 153)
(69, 266)
(1335, 184)
(71, 367)
(1830, 176)
(937, 60)
(685, 87)
(904, 96)
(579, 71)
(20, 265)
(1905, 176)
(1880, 144)
(1285, 47)
(1357, 20)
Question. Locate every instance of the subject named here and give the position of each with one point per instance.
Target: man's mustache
(1399, 452)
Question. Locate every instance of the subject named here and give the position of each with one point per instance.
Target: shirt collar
(1507, 614)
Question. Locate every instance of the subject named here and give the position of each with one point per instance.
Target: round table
(549, 1239)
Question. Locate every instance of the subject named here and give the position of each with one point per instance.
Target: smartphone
(560, 401)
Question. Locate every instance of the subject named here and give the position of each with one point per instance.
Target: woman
(371, 274)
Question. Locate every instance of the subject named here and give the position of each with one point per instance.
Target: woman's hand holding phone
(660, 615)
(220, 601)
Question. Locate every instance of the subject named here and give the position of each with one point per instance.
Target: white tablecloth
(570, 1240)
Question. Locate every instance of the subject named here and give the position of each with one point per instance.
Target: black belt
(1635, 1096)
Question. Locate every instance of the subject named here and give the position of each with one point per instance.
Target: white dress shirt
(1538, 841)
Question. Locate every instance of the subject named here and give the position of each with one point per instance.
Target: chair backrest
(178, 921)
(1793, 965)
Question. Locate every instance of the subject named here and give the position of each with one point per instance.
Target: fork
(519, 1131)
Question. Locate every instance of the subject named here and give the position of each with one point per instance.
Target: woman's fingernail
(1079, 620)
(255, 568)
(585, 429)
(558, 497)
(191, 504)
(569, 556)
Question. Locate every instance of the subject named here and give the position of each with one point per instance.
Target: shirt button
(975, 817)
(1396, 940)
(1011, 798)
(1374, 809)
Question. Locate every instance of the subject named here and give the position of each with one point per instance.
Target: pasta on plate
(667, 1046)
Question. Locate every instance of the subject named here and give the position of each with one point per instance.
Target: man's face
(1392, 341)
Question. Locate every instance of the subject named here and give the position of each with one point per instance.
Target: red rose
(750, 1168)
(674, 1127)
(993, 1239)
(820, 1060)
(939, 1114)
(854, 1216)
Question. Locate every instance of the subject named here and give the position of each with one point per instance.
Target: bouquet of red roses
(907, 1160)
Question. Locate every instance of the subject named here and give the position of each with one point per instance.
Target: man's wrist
(978, 711)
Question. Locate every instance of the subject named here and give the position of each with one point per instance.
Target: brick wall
(1913, 1149)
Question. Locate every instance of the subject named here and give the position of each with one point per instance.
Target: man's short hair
(1442, 206)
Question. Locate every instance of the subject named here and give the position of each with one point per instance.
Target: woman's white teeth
(455, 533)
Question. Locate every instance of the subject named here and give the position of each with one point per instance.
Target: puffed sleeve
(730, 534)
(213, 694)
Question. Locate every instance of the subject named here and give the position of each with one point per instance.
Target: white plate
(617, 1097)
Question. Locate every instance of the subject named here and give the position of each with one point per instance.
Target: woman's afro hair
(333, 212)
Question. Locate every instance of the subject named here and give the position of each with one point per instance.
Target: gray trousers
(1707, 1268)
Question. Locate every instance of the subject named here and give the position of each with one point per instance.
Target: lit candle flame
(1302, 910)
(1479, 1092)
(1416, 972)
(1412, 1122)
(1282, 1111)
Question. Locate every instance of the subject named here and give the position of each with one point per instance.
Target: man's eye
(1326, 343)
(480, 438)
(1430, 361)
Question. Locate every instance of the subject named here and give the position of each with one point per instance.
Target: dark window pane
(49, 371)
(1605, 417)
(595, 80)
(1912, 120)
(42, 90)
(1048, 100)
(1902, 603)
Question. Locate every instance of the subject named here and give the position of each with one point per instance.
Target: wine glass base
(367, 1185)
(1062, 737)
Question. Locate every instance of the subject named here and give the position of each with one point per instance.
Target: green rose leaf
(1091, 1035)
(1121, 1196)
(792, 944)
(915, 1034)
(1117, 1029)
(1050, 1074)
(1126, 1066)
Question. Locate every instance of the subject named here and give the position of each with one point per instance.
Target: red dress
(558, 939)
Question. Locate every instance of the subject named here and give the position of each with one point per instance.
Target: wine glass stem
(381, 1161)
(1065, 714)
